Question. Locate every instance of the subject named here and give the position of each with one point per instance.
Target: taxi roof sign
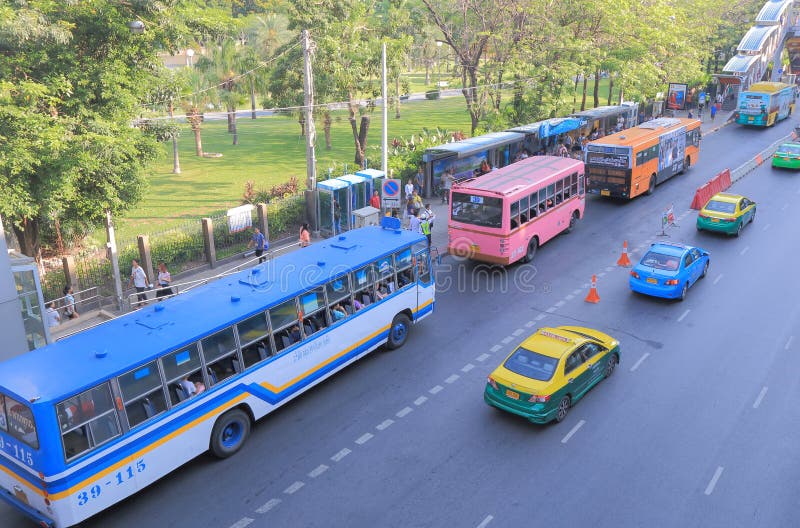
(552, 335)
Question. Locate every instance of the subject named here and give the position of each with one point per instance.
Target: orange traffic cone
(593, 297)
(623, 259)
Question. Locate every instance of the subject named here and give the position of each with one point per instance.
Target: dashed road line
(766, 227)
(482, 357)
(241, 523)
(683, 315)
(436, 390)
(495, 348)
(577, 292)
(403, 412)
(640, 361)
(717, 279)
(294, 488)
(541, 316)
(363, 439)
(609, 268)
(317, 471)
(384, 424)
(485, 522)
(601, 274)
(419, 401)
(744, 250)
(572, 431)
(788, 343)
(559, 304)
(517, 332)
(551, 309)
(530, 324)
(759, 398)
(451, 379)
(340, 455)
(714, 479)
(506, 340)
(569, 297)
(267, 506)
(467, 367)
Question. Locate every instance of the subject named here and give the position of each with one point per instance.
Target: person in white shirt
(52, 315)
(139, 281)
(413, 223)
(164, 279)
(409, 188)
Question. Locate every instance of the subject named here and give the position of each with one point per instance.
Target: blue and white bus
(93, 418)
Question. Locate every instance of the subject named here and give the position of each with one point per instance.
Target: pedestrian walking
(413, 223)
(419, 184)
(164, 280)
(52, 316)
(305, 235)
(713, 111)
(447, 184)
(69, 303)
(139, 281)
(259, 242)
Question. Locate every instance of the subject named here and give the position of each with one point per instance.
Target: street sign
(390, 194)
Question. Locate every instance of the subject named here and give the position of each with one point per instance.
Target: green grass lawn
(270, 151)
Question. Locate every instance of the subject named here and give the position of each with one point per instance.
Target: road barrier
(718, 183)
(746, 168)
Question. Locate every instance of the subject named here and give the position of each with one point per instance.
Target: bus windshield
(477, 210)
(17, 420)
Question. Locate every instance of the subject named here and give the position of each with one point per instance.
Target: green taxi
(550, 371)
(787, 156)
(726, 213)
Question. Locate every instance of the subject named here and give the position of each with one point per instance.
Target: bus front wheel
(230, 433)
(398, 332)
(533, 245)
(652, 188)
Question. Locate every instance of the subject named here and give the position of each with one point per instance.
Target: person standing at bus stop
(259, 241)
(139, 281)
(375, 201)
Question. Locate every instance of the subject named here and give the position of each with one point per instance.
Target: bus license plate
(605, 192)
(651, 280)
(511, 394)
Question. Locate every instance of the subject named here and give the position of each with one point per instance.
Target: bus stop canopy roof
(333, 185)
(371, 173)
(772, 11)
(470, 146)
(740, 64)
(554, 127)
(604, 111)
(754, 39)
(353, 179)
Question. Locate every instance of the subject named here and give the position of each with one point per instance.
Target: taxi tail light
(671, 282)
(634, 274)
(539, 399)
(729, 220)
(492, 382)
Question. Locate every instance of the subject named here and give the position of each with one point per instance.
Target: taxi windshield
(720, 207)
(788, 150)
(531, 364)
(660, 261)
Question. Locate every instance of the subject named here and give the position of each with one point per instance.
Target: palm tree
(263, 37)
(194, 105)
(223, 69)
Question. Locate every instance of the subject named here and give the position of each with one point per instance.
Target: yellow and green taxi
(787, 156)
(550, 371)
(726, 213)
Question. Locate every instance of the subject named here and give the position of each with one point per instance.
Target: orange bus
(634, 161)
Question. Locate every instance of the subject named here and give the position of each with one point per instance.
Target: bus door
(424, 276)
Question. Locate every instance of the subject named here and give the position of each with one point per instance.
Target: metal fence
(232, 238)
(181, 248)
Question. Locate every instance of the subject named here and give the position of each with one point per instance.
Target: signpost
(390, 194)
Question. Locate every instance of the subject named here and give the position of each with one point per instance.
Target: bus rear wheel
(652, 188)
(572, 221)
(398, 332)
(230, 433)
(533, 245)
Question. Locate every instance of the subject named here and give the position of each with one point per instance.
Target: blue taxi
(668, 270)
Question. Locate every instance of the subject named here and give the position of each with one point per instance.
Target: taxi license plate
(511, 394)
(474, 247)
(651, 280)
(605, 193)
(715, 220)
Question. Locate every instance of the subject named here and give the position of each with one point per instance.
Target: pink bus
(505, 215)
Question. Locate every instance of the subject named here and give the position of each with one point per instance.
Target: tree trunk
(427, 73)
(229, 115)
(234, 130)
(326, 126)
(28, 238)
(195, 120)
(397, 97)
(596, 88)
(59, 238)
(302, 121)
(252, 98)
(360, 138)
(470, 92)
(585, 87)
(176, 162)
(610, 88)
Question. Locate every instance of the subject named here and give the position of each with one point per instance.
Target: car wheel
(684, 290)
(398, 332)
(563, 408)
(533, 245)
(752, 217)
(705, 269)
(612, 362)
(739, 229)
(230, 433)
(652, 188)
(572, 221)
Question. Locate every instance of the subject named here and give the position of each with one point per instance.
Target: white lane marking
(517, 332)
(363, 439)
(641, 360)
(341, 454)
(495, 348)
(559, 304)
(267, 506)
(684, 314)
(784, 206)
(419, 401)
(451, 379)
(436, 390)
(482, 357)
(744, 250)
(717, 279)
(551, 309)
(577, 292)
(467, 367)
(403, 412)
(540, 317)
(319, 470)
(572, 431)
(788, 343)
(530, 324)
(767, 227)
(241, 523)
(506, 340)
(294, 487)
(384, 424)
(760, 397)
(609, 268)
(601, 274)
(714, 479)
(569, 297)
(485, 522)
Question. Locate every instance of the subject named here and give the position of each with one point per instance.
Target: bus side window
(219, 350)
(423, 270)
(533, 198)
(514, 215)
(94, 429)
(573, 179)
(142, 393)
(559, 191)
(523, 210)
(285, 326)
(178, 366)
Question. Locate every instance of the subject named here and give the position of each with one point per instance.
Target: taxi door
(577, 374)
(596, 359)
